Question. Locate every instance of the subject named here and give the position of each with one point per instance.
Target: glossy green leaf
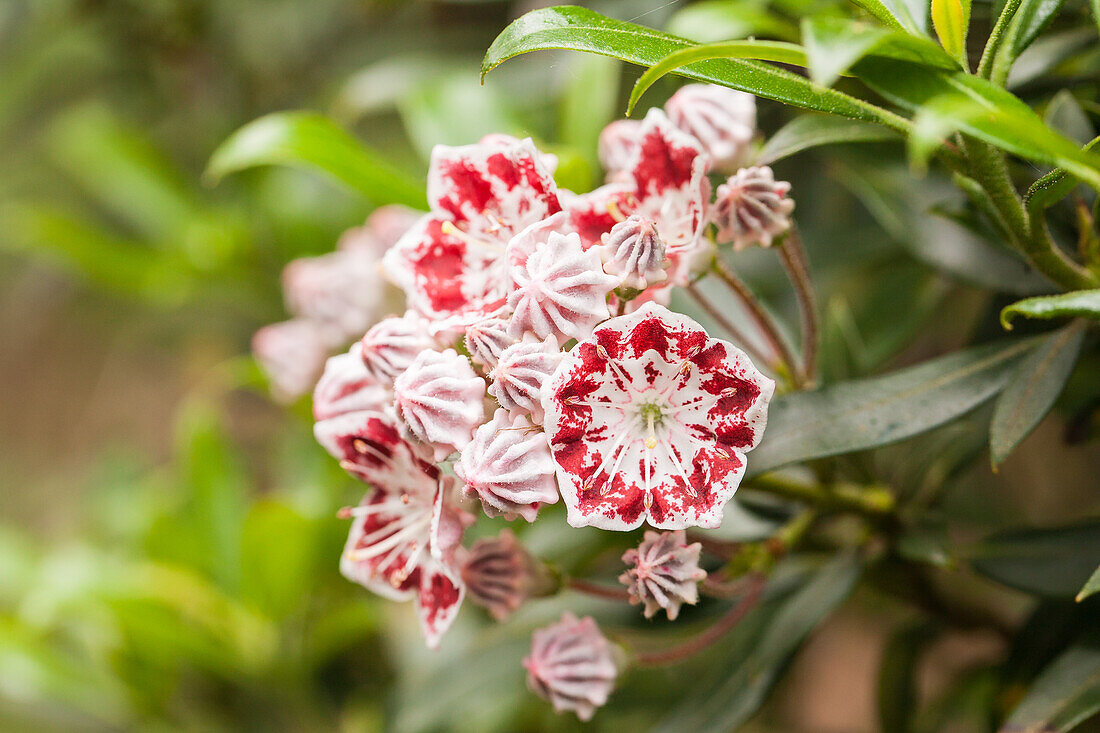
(868, 413)
(897, 693)
(735, 697)
(951, 19)
(979, 108)
(308, 140)
(897, 17)
(580, 29)
(1033, 389)
(1050, 562)
(1031, 19)
(1079, 303)
(1091, 587)
(811, 131)
(1066, 693)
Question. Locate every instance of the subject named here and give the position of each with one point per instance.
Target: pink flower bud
(383, 228)
(440, 399)
(500, 574)
(619, 142)
(485, 341)
(347, 386)
(666, 573)
(722, 119)
(508, 467)
(391, 345)
(634, 252)
(752, 208)
(520, 372)
(341, 291)
(571, 665)
(291, 354)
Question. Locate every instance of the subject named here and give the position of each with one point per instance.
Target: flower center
(652, 414)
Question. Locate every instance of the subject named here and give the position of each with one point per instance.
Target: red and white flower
(346, 386)
(722, 119)
(450, 264)
(650, 419)
(340, 291)
(441, 400)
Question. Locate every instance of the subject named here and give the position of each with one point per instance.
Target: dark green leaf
(960, 101)
(1049, 562)
(308, 140)
(724, 706)
(811, 131)
(1031, 392)
(1082, 303)
(580, 29)
(1091, 587)
(1065, 694)
(868, 413)
(898, 695)
(927, 543)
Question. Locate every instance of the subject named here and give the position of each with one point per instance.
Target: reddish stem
(598, 590)
(720, 318)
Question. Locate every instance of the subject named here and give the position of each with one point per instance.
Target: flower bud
(440, 399)
(665, 573)
(340, 290)
(391, 345)
(346, 386)
(485, 341)
(291, 354)
(520, 372)
(500, 574)
(722, 119)
(633, 251)
(571, 664)
(752, 208)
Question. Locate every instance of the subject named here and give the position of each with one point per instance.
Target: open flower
(665, 573)
(392, 344)
(617, 143)
(722, 119)
(520, 373)
(440, 398)
(346, 386)
(650, 418)
(450, 264)
(571, 664)
(370, 446)
(561, 290)
(508, 466)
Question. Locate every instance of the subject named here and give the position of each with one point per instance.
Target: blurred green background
(168, 540)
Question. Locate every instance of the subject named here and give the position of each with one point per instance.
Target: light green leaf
(897, 17)
(811, 131)
(278, 558)
(724, 706)
(868, 413)
(1091, 587)
(951, 19)
(1050, 562)
(1033, 389)
(1065, 694)
(309, 140)
(979, 108)
(580, 29)
(721, 20)
(1030, 20)
(588, 102)
(1082, 303)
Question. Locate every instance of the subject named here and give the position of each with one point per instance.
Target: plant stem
(760, 316)
(793, 256)
(711, 634)
(996, 37)
(597, 590)
(711, 310)
(874, 501)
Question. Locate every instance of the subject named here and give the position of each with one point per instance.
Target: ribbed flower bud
(752, 208)
(485, 341)
(346, 386)
(500, 574)
(520, 372)
(391, 345)
(633, 251)
(440, 399)
(571, 664)
(665, 573)
(722, 119)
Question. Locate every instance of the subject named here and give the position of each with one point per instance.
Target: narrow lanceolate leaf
(725, 703)
(1053, 562)
(1065, 694)
(868, 413)
(309, 140)
(1081, 303)
(951, 19)
(1030, 20)
(1031, 392)
(1092, 586)
(811, 131)
(897, 17)
(580, 29)
(976, 107)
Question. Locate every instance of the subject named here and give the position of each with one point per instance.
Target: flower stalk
(793, 256)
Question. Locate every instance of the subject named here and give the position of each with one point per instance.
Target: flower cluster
(538, 359)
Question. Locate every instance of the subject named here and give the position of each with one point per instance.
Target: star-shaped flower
(650, 419)
(450, 264)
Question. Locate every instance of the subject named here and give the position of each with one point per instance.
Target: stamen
(616, 213)
(651, 437)
(450, 229)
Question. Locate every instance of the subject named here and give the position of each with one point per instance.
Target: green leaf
(580, 29)
(1033, 389)
(309, 140)
(1031, 19)
(724, 706)
(1050, 562)
(897, 17)
(1081, 303)
(951, 19)
(1091, 587)
(721, 20)
(1065, 694)
(588, 103)
(811, 131)
(897, 693)
(278, 558)
(868, 413)
(978, 108)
